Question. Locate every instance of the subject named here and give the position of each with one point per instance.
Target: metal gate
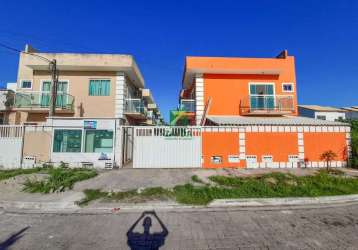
(11, 146)
(167, 147)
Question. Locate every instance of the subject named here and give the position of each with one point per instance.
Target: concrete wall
(37, 143)
(78, 82)
(287, 145)
(228, 90)
(80, 62)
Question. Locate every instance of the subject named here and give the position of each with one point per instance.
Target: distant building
(321, 112)
(352, 112)
(11, 86)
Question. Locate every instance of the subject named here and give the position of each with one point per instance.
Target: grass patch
(266, 186)
(6, 174)
(59, 179)
(91, 195)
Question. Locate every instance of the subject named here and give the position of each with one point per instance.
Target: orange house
(248, 107)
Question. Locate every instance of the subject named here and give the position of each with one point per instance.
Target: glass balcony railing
(42, 100)
(187, 105)
(266, 104)
(134, 106)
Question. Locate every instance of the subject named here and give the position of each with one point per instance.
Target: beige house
(89, 85)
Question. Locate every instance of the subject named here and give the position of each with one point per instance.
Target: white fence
(11, 146)
(167, 147)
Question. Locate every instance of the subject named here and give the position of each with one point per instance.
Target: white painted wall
(10, 152)
(330, 116)
(76, 159)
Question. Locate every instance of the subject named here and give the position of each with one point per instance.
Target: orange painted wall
(220, 144)
(226, 90)
(316, 143)
(279, 145)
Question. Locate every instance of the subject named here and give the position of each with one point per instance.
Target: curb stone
(220, 204)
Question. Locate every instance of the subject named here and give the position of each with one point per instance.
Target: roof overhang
(87, 62)
(190, 73)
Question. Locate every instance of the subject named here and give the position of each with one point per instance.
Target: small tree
(328, 156)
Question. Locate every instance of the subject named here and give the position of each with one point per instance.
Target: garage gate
(167, 147)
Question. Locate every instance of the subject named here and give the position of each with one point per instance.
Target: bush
(354, 143)
(60, 179)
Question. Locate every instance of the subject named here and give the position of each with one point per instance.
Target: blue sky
(322, 35)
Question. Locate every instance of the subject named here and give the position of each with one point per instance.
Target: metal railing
(38, 99)
(134, 106)
(187, 105)
(266, 104)
(11, 131)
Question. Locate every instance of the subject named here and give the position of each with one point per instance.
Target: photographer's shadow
(147, 240)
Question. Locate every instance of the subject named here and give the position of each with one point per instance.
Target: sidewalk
(12, 198)
(236, 204)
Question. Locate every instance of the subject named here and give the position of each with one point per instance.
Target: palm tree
(328, 156)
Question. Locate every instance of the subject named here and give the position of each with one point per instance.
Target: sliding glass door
(262, 96)
(62, 90)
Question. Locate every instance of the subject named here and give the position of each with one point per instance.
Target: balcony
(135, 108)
(267, 105)
(187, 105)
(36, 100)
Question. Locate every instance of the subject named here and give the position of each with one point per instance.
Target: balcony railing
(134, 106)
(187, 105)
(33, 99)
(267, 104)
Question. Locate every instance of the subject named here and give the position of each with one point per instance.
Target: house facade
(89, 85)
(97, 95)
(321, 112)
(249, 113)
(351, 112)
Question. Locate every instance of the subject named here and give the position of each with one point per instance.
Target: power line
(19, 51)
(54, 73)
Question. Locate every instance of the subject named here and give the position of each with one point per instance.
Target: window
(26, 84)
(99, 141)
(287, 87)
(262, 96)
(99, 87)
(216, 159)
(293, 158)
(267, 158)
(251, 158)
(62, 90)
(67, 140)
(321, 117)
(233, 159)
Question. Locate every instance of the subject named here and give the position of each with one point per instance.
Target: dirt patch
(16, 183)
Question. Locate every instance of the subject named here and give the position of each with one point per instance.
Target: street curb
(292, 201)
(220, 204)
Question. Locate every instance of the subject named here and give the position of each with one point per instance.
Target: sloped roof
(283, 120)
(321, 108)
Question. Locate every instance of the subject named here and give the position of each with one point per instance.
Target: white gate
(11, 146)
(167, 147)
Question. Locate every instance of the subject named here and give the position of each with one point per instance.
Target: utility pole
(53, 95)
(54, 74)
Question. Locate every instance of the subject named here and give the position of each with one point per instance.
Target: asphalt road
(320, 228)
